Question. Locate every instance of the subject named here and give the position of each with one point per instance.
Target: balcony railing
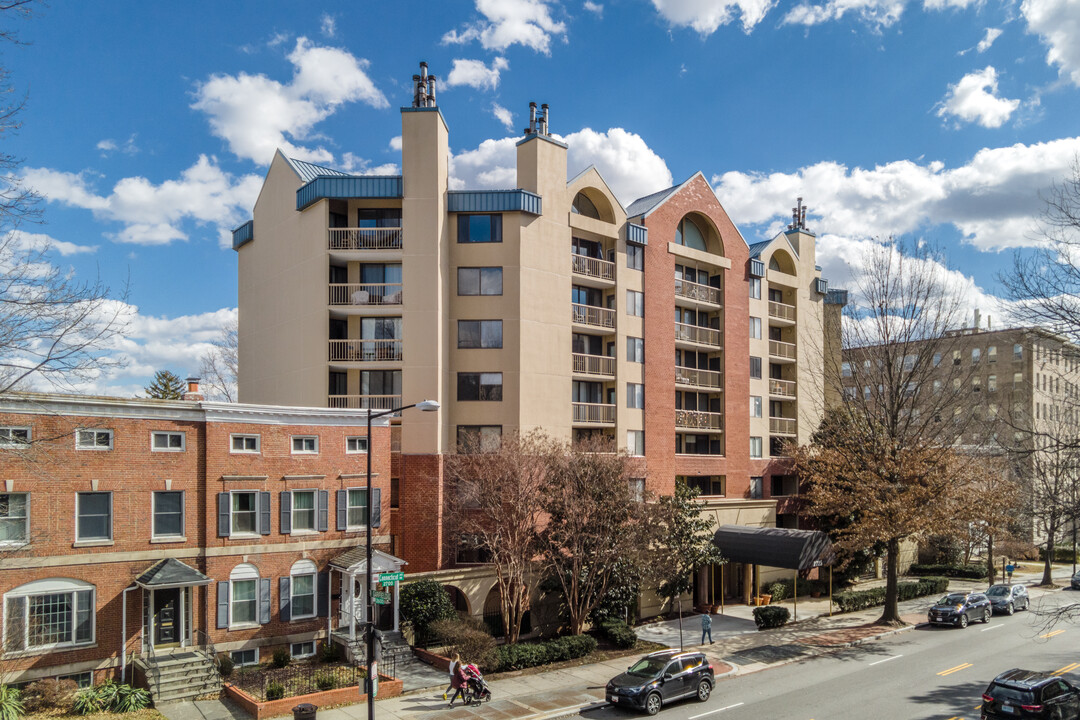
(782, 426)
(594, 365)
(781, 349)
(697, 334)
(365, 350)
(697, 377)
(593, 267)
(782, 388)
(365, 293)
(591, 315)
(365, 238)
(699, 420)
(365, 402)
(594, 413)
(697, 291)
(781, 311)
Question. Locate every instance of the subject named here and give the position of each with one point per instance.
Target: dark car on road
(959, 609)
(1075, 582)
(1008, 598)
(660, 678)
(1028, 694)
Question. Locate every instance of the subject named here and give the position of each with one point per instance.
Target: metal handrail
(365, 293)
(364, 402)
(365, 238)
(697, 291)
(152, 664)
(782, 388)
(699, 420)
(592, 267)
(697, 377)
(585, 364)
(365, 350)
(601, 413)
(592, 315)
(684, 332)
(781, 311)
(778, 348)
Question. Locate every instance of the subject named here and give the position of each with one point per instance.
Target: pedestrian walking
(454, 662)
(706, 628)
(459, 682)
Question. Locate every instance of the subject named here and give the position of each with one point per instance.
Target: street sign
(380, 598)
(391, 577)
(380, 601)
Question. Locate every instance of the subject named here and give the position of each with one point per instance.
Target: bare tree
(219, 365)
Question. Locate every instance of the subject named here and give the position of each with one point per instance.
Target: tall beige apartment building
(545, 306)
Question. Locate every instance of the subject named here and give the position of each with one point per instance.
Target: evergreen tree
(166, 386)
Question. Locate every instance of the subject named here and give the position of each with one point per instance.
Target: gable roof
(170, 572)
(309, 171)
(645, 205)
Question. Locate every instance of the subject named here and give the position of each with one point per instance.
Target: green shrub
(110, 697)
(469, 638)
(11, 705)
(329, 652)
(526, 655)
(87, 702)
(282, 658)
(48, 694)
(129, 699)
(225, 666)
(325, 681)
(971, 571)
(423, 603)
(274, 690)
(780, 590)
(619, 633)
(852, 600)
(1062, 554)
(771, 616)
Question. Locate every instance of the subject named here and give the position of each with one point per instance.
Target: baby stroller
(476, 687)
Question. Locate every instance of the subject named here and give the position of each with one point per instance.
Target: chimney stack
(978, 319)
(193, 394)
(544, 119)
(423, 88)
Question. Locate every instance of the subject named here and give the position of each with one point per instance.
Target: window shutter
(15, 626)
(264, 513)
(285, 601)
(342, 509)
(376, 507)
(222, 604)
(264, 599)
(286, 512)
(223, 514)
(323, 593)
(323, 523)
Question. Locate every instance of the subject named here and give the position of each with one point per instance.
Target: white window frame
(112, 517)
(755, 288)
(301, 655)
(755, 406)
(79, 434)
(635, 396)
(304, 441)
(359, 440)
(243, 451)
(349, 507)
(304, 568)
(760, 448)
(634, 346)
(635, 442)
(26, 523)
(52, 586)
(755, 328)
(237, 663)
(168, 433)
(183, 516)
(7, 431)
(635, 303)
(233, 532)
(314, 511)
(245, 572)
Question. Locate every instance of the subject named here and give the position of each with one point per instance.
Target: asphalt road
(936, 673)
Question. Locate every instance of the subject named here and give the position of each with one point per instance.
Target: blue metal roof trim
(756, 248)
(637, 234)
(353, 186)
(494, 201)
(243, 234)
(757, 268)
(309, 171)
(836, 297)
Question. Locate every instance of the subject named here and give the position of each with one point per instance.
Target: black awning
(775, 547)
(170, 572)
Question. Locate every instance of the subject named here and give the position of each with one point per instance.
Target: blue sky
(149, 130)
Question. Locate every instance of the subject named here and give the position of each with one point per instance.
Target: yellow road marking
(1067, 668)
(952, 670)
(1052, 633)
(978, 706)
(956, 717)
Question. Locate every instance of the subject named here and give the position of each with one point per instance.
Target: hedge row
(971, 572)
(525, 655)
(1062, 554)
(619, 633)
(851, 600)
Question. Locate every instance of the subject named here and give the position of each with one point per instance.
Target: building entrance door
(167, 617)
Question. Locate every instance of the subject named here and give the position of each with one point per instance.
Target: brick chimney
(193, 394)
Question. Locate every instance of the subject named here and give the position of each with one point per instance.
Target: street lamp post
(372, 669)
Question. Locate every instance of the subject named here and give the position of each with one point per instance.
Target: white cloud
(106, 145)
(254, 113)
(40, 242)
(476, 74)
(974, 99)
(992, 34)
(328, 25)
(154, 214)
(490, 165)
(880, 13)
(705, 16)
(395, 143)
(503, 115)
(595, 8)
(1057, 22)
(109, 145)
(510, 22)
(362, 166)
(992, 201)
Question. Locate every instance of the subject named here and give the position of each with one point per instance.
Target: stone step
(186, 693)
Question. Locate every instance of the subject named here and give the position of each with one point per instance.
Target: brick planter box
(433, 659)
(388, 687)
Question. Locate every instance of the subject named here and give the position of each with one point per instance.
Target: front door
(167, 617)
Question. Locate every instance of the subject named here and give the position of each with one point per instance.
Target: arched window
(302, 589)
(690, 235)
(584, 206)
(55, 612)
(244, 595)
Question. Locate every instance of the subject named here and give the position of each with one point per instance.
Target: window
(755, 288)
(49, 613)
(244, 514)
(479, 334)
(755, 368)
(755, 447)
(93, 511)
(479, 386)
(356, 511)
(937, 359)
(637, 489)
(991, 354)
(1018, 352)
(243, 596)
(635, 396)
(168, 510)
(94, 440)
(244, 443)
(14, 518)
(755, 328)
(302, 590)
(937, 387)
(14, 436)
(167, 441)
(756, 484)
(242, 658)
(755, 406)
(690, 235)
(705, 484)
(955, 357)
(479, 228)
(302, 650)
(976, 355)
(480, 281)
(845, 369)
(1018, 379)
(305, 444)
(991, 383)
(354, 445)
(303, 510)
(635, 257)
(479, 438)
(909, 363)
(635, 303)
(976, 384)
(82, 680)
(635, 442)
(850, 393)
(635, 349)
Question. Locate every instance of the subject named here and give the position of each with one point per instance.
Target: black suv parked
(660, 678)
(959, 609)
(1028, 694)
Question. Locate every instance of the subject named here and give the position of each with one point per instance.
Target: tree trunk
(1048, 562)
(990, 557)
(891, 612)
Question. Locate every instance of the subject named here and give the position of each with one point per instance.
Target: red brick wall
(422, 507)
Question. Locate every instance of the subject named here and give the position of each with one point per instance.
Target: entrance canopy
(775, 547)
(355, 561)
(170, 573)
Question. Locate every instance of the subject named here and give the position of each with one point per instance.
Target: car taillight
(1031, 708)
(987, 698)
(710, 667)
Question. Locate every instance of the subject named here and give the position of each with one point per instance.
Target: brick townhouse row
(131, 526)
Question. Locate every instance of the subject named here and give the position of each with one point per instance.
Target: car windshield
(1005, 693)
(998, 591)
(648, 666)
(953, 599)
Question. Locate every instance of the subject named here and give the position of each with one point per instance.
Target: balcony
(782, 350)
(600, 365)
(697, 292)
(699, 420)
(698, 378)
(592, 316)
(784, 313)
(365, 350)
(593, 414)
(365, 238)
(593, 268)
(782, 426)
(781, 388)
(365, 402)
(365, 293)
(697, 335)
